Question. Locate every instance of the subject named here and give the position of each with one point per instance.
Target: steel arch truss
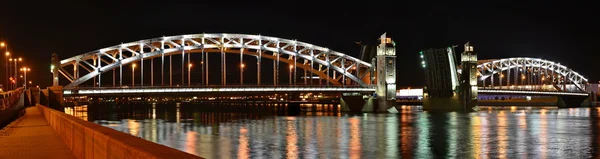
(106, 59)
(560, 73)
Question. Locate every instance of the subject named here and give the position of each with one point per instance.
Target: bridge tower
(386, 74)
(468, 78)
(54, 93)
(54, 66)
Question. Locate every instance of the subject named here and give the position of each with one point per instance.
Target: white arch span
(118, 55)
(489, 67)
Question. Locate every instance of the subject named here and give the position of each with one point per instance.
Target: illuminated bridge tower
(53, 96)
(386, 74)
(54, 67)
(468, 78)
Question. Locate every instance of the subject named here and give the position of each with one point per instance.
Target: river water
(492, 132)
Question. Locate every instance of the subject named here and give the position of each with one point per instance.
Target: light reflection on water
(494, 132)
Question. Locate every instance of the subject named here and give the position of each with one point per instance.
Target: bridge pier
(35, 95)
(356, 102)
(574, 101)
(53, 97)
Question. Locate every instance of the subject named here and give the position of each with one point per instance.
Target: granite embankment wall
(90, 140)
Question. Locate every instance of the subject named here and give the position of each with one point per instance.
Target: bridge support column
(35, 95)
(355, 102)
(55, 98)
(574, 101)
(386, 75)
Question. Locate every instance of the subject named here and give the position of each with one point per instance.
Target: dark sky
(566, 32)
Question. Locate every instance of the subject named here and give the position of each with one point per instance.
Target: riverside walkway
(31, 136)
(45, 133)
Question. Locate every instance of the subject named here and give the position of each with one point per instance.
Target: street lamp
(189, 77)
(133, 75)
(25, 70)
(242, 73)
(16, 72)
(291, 66)
(6, 66)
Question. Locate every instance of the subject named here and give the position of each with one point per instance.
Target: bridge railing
(224, 86)
(239, 88)
(12, 106)
(10, 98)
(540, 89)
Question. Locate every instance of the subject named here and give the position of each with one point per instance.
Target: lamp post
(291, 74)
(6, 67)
(242, 73)
(132, 75)
(25, 70)
(189, 73)
(10, 74)
(16, 72)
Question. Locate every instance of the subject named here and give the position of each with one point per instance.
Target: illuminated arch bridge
(528, 74)
(333, 69)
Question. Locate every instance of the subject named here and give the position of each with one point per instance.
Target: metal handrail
(226, 86)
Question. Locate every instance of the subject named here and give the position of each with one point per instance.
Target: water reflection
(494, 132)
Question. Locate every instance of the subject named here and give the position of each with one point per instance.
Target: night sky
(566, 33)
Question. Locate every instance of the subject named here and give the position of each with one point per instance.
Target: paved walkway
(31, 136)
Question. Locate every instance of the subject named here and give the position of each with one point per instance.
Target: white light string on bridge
(106, 59)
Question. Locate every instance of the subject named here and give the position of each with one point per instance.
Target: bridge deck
(31, 136)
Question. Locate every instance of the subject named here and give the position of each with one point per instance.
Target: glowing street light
(133, 75)
(6, 66)
(242, 66)
(291, 67)
(25, 70)
(189, 74)
(15, 71)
